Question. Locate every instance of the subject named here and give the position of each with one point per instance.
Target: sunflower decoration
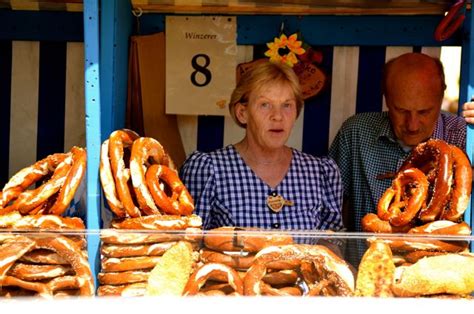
(285, 49)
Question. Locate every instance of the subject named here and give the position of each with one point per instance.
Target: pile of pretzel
(234, 261)
(428, 196)
(34, 200)
(133, 172)
(60, 176)
(145, 194)
(44, 264)
(449, 275)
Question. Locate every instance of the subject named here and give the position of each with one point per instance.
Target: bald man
(369, 145)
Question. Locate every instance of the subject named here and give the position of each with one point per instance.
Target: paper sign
(200, 64)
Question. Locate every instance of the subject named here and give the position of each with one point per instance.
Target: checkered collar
(386, 131)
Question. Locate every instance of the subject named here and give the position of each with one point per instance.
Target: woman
(259, 181)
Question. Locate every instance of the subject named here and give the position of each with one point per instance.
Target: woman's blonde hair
(262, 74)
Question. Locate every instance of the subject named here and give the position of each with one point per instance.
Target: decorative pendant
(276, 202)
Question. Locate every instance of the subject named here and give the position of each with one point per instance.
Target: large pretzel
(108, 182)
(179, 202)
(436, 154)
(462, 185)
(72, 182)
(143, 149)
(24, 178)
(333, 274)
(395, 198)
(118, 141)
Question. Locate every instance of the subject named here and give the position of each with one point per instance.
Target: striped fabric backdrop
(42, 101)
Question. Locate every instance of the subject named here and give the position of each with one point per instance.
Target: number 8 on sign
(202, 69)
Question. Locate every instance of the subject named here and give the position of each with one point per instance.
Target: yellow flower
(285, 49)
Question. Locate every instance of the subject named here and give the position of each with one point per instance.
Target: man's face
(414, 103)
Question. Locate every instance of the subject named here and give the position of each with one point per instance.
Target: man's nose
(412, 122)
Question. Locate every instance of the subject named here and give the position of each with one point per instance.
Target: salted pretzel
(32, 272)
(436, 155)
(443, 227)
(31, 199)
(462, 185)
(118, 141)
(159, 222)
(131, 250)
(143, 149)
(24, 178)
(179, 202)
(72, 182)
(334, 276)
(43, 222)
(123, 277)
(202, 274)
(113, 264)
(113, 236)
(108, 182)
(395, 205)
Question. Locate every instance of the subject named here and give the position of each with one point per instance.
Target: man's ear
(241, 113)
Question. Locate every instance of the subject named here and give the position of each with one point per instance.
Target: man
(370, 145)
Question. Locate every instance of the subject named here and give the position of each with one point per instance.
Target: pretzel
(462, 186)
(32, 272)
(28, 176)
(333, 272)
(14, 220)
(236, 260)
(72, 182)
(418, 190)
(42, 256)
(113, 264)
(113, 236)
(154, 249)
(411, 245)
(201, 275)
(108, 183)
(119, 140)
(11, 250)
(180, 202)
(134, 289)
(437, 152)
(281, 277)
(372, 223)
(123, 277)
(443, 227)
(232, 239)
(143, 149)
(30, 199)
(159, 222)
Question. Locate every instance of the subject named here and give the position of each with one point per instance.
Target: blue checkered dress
(227, 192)
(365, 147)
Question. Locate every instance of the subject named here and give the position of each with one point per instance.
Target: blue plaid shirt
(365, 147)
(227, 192)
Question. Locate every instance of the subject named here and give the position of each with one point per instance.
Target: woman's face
(269, 115)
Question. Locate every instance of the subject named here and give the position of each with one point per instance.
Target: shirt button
(276, 225)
